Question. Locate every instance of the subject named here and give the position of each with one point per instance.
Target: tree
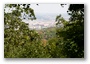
(16, 32)
(19, 40)
(66, 40)
(72, 33)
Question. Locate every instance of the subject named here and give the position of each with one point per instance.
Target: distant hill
(47, 33)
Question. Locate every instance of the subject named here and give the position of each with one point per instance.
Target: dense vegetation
(66, 40)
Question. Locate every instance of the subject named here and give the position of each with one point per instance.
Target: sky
(49, 8)
(46, 14)
(55, 9)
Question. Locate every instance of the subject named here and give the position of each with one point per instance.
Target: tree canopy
(66, 40)
(72, 34)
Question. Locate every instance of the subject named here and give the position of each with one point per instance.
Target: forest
(66, 40)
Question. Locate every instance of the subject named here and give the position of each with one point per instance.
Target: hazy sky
(47, 11)
(50, 9)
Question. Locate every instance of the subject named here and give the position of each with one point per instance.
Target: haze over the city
(46, 14)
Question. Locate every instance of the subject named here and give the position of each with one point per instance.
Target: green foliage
(16, 32)
(48, 33)
(66, 40)
(71, 35)
(19, 40)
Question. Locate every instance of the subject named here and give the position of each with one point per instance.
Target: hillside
(47, 33)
